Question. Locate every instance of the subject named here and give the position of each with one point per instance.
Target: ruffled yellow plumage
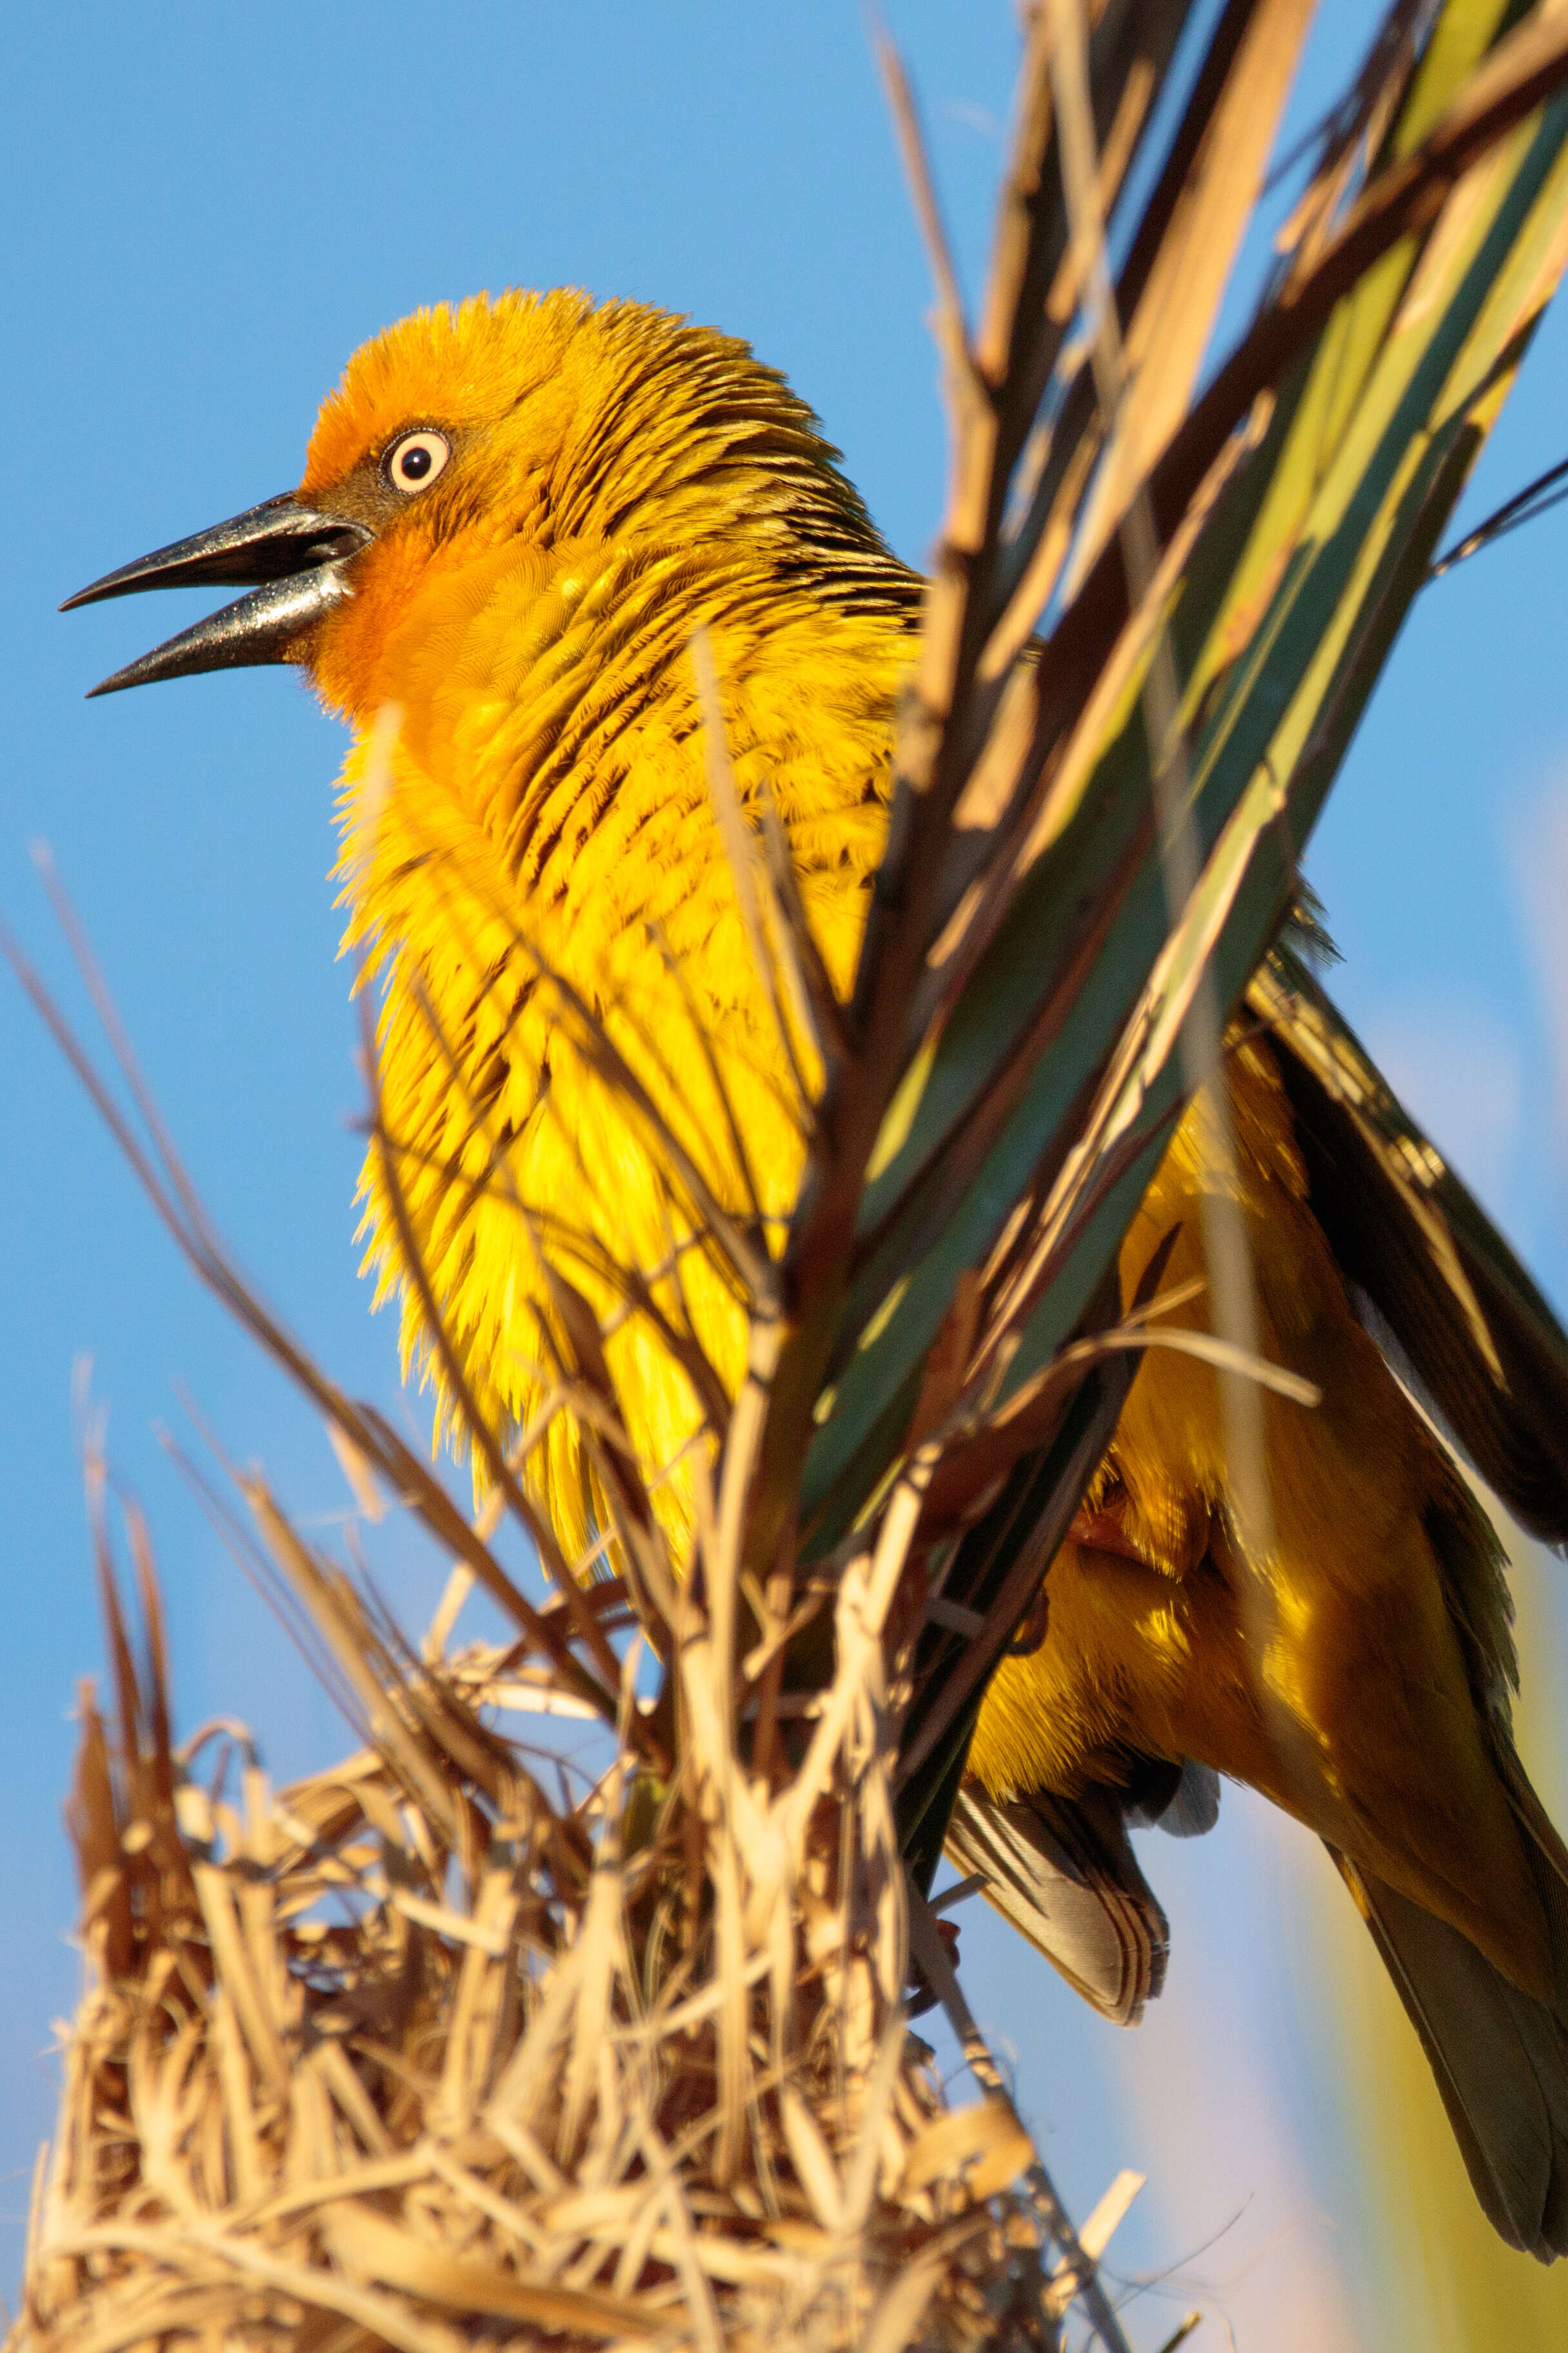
(539, 834)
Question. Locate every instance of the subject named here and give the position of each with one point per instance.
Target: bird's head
(488, 434)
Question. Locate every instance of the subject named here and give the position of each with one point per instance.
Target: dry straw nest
(413, 2052)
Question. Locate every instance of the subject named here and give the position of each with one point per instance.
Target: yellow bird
(515, 519)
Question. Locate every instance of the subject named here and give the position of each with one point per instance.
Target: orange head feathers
(528, 423)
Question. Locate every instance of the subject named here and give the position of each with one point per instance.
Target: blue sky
(208, 210)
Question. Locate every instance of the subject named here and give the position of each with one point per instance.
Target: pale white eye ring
(414, 461)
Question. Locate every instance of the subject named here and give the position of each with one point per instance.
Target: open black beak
(293, 555)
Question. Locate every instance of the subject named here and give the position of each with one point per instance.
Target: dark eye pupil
(414, 464)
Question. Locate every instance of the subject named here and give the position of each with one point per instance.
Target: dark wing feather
(1482, 1344)
(1061, 1871)
(1192, 1809)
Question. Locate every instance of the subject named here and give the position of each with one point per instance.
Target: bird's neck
(550, 735)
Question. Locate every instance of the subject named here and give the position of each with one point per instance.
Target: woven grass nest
(413, 2052)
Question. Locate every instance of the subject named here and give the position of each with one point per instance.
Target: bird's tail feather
(1061, 1871)
(1499, 2056)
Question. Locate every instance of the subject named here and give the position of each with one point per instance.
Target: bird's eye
(415, 459)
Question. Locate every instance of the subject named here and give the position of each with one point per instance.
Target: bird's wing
(1061, 1871)
(1483, 1346)
(1500, 2059)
